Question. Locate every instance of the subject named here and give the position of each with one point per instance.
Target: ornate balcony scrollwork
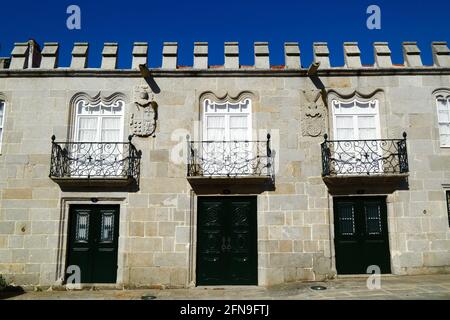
(364, 157)
(230, 159)
(99, 161)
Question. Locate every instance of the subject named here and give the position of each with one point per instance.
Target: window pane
(344, 134)
(366, 122)
(364, 105)
(367, 134)
(87, 129)
(373, 219)
(344, 122)
(238, 122)
(347, 104)
(215, 134)
(107, 228)
(215, 122)
(111, 136)
(233, 107)
(442, 105)
(220, 107)
(346, 220)
(111, 129)
(445, 140)
(82, 227)
(1, 121)
(444, 116)
(238, 134)
(444, 128)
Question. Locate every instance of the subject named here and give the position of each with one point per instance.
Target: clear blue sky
(246, 21)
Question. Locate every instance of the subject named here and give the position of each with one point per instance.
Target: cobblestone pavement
(392, 288)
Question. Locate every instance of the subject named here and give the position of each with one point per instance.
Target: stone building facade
(228, 177)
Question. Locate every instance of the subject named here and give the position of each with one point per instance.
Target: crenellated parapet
(29, 55)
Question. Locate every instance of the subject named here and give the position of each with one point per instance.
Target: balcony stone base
(231, 185)
(96, 184)
(366, 184)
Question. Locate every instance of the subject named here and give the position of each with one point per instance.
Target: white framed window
(99, 122)
(356, 120)
(443, 111)
(227, 134)
(2, 121)
(227, 121)
(98, 139)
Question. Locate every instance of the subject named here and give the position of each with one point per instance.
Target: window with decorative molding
(99, 122)
(443, 110)
(2, 122)
(356, 120)
(98, 136)
(227, 132)
(227, 121)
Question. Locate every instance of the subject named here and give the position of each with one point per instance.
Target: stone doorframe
(391, 223)
(61, 256)
(191, 278)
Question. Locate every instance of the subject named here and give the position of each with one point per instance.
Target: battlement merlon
(27, 56)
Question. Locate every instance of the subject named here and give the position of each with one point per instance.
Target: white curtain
(344, 128)
(238, 128)
(367, 128)
(443, 110)
(445, 134)
(110, 129)
(87, 129)
(215, 128)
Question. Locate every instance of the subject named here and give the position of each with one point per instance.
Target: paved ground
(392, 288)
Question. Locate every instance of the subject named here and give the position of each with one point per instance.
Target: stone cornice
(369, 71)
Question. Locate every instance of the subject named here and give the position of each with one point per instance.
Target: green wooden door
(93, 242)
(361, 235)
(227, 241)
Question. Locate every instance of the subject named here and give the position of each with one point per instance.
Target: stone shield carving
(143, 119)
(313, 114)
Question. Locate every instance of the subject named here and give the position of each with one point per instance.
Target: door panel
(227, 249)
(93, 242)
(361, 235)
(211, 241)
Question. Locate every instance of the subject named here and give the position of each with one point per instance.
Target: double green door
(361, 235)
(227, 241)
(93, 242)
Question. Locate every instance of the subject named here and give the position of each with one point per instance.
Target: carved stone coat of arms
(313, 114)
(143, 119)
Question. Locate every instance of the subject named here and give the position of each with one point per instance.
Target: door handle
(229, 244)
(226, 247)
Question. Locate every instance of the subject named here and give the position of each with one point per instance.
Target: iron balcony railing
(230, 159)
(364, 157)
(95, 160)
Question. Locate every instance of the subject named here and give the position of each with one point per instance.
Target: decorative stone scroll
(144, 118)
(313, 114)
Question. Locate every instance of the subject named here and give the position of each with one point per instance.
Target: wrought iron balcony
(230, 159)
(96, 163)
(364, 157)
